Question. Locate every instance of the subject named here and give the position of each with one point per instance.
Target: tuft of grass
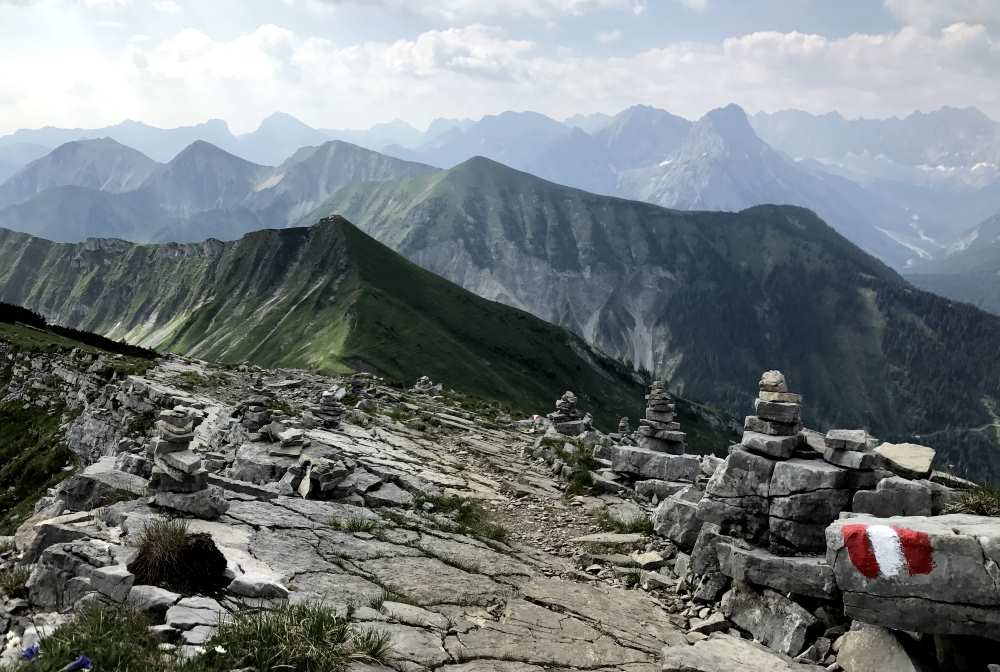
(7, 545)
(13, 580)
(637, 524)
(371, 645)
(354, 524)
(470, 517)
(171, 557)
(982, 501)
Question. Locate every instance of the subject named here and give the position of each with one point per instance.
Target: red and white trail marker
(888, 551)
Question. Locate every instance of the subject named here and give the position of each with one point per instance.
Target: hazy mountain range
(721, 162)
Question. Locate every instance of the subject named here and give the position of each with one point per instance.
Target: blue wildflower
(30, 653)
(81, 663)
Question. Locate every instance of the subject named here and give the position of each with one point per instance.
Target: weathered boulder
(152, 599)
(98, 485)
(810, 576)
(909, 460)
(676, 517)
(895, 497)
(725, 653)
(772, 619)
(66, 573)
(936, 575)
(869, 648)
(660, 489)
(208, 503)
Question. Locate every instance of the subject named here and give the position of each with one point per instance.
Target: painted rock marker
(889, 551)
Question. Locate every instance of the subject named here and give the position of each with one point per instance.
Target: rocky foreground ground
(358, 504)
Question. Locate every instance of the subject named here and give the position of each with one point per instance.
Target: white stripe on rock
(888, 551)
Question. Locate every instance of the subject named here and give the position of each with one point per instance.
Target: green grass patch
(33, 458)
(289, 638)
(983, 501)
(293, 638)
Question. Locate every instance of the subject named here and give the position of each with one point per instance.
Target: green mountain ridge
(706, 300)
(326, 297)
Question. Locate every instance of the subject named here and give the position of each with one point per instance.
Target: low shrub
(171, 557)
(984, 501)
(640, 523)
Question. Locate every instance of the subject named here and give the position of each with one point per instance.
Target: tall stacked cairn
(331, 411)
(662, 446)
(659, 431)
(774, 430)
(568, 419)
(179, 481)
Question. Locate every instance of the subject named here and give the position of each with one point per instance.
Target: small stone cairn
(424, 385)
(331, 411)
(774, 430)
(256, 412)
(659, 431)
(179, 481)
(567, 418)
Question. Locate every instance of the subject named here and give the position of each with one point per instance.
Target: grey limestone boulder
(936, 575)
(774, 620)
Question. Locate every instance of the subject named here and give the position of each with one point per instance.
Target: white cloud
(609, 36)
(937, 13)
(476, 69)
(454, 10)
(168, 7)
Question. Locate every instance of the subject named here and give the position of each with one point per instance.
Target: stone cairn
(567, 418)
(659, 431)
(424, 385)
(774, 430)
(359, 386)
(331, 411)
(179, 481)
(256, 412)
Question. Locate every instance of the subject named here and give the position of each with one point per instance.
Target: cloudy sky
(351, 63)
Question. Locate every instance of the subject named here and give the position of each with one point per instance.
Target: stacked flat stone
(774, 430)
(331, 411)
(659, 431)
(849, 448)
(179, 481)
(256, 412)
(567, 418)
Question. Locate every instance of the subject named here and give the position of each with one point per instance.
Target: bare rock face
(936, 575)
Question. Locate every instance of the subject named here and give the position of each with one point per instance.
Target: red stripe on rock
(917, 549)
(860, 549)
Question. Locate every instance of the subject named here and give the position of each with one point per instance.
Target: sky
(354, 63)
